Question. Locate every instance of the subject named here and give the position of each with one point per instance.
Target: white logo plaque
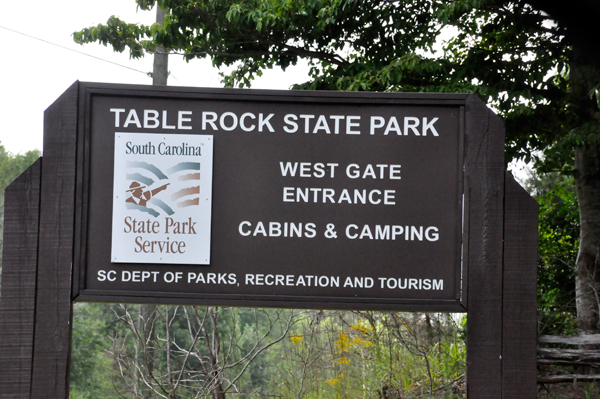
(162, 198)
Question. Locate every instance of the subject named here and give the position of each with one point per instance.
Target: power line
(173, 76)
(75, 51)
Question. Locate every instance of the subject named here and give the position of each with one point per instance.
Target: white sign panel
(162, 198)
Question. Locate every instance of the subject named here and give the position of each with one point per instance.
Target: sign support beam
(52, 340)
(484, 178)
(19, 272)
(519, 324)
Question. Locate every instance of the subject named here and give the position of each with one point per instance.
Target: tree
(545, 85)
(90, 367)
(512, 55)
(558, 244)
(189, 351)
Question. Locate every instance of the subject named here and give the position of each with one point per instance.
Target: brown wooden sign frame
(93, 167)
(41, 247)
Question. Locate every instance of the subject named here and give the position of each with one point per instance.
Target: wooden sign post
(375, 201)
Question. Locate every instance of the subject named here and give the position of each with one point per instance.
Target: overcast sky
(35, 73)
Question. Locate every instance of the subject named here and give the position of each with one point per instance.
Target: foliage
(557, 249)
(90, 362)
(338, 354)
(558, 243)
(176, 351)
(330, 354)
(258, 34)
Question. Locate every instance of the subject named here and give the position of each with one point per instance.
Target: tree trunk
(216, 345)
(213, 345)
(583, 79)
(587, 273)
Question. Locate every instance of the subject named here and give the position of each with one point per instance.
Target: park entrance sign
(284, 199)
(331, 200)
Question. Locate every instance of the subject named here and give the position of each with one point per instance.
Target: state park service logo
(162, 198)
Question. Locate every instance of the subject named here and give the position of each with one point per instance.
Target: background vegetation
(207, 352)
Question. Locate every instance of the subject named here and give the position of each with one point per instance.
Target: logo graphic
(148, 183)
(162, 198)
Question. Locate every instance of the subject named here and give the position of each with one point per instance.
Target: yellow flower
(343, 342)
(364, 329)
(296, 339)
(335, 380)
(361, 342)
(343, 360)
